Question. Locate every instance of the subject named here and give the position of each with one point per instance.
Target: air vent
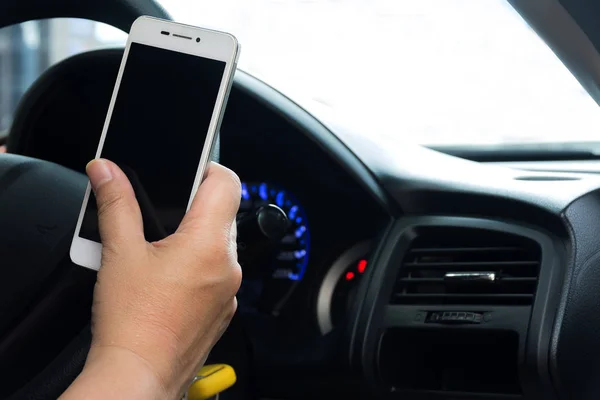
(468, 267)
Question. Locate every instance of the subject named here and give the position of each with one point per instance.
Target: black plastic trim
(557, 23)
(509, 153)
(575, 351)
(378, 285)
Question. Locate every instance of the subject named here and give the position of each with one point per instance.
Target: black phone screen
(157, 131)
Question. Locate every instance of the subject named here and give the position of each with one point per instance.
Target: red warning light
(349, 276)
(362, 265)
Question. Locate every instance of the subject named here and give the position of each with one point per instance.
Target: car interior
(408, 272)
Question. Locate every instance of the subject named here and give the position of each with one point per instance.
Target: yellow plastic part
(212, 380)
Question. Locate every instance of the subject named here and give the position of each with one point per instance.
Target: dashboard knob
(258, 237)
(272, 222)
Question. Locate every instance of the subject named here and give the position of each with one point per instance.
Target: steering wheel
(45, 300)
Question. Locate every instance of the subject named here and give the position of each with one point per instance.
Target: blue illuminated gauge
(292, 259)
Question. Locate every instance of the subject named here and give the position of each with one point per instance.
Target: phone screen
(157, 131)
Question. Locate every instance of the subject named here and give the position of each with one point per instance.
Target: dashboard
(329, 213)
(404, 272)
(269, 290)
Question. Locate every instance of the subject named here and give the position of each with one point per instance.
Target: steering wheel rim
(39, 206)
(41, 291)
(39, 203)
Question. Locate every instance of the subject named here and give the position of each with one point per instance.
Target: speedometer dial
(291, 261)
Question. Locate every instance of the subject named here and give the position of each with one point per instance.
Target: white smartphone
(162, 121)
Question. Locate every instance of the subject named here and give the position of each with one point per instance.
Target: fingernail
(99, 173)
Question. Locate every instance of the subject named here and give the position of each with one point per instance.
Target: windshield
(432, 71)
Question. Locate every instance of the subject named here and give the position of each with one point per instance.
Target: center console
(459, 308)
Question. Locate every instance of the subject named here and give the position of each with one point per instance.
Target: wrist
(118, 373)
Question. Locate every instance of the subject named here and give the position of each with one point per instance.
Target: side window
(28, 49)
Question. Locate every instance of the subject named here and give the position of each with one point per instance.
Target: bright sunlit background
(431, 71)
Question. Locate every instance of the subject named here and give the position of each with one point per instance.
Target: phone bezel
(148, 31)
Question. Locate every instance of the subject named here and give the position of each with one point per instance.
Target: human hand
(160, 307)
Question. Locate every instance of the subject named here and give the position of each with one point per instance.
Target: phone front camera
(197, 40)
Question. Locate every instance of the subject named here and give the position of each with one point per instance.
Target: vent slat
(433, 250)
(464, 295)
(511, 262)
(440, 280)
(469, 264)
(455, 299)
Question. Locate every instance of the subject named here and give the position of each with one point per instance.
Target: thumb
(119, 216)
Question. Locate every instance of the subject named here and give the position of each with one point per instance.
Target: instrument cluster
(288, 265)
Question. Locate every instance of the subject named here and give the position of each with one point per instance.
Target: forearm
(158, 307)
(117, 374)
